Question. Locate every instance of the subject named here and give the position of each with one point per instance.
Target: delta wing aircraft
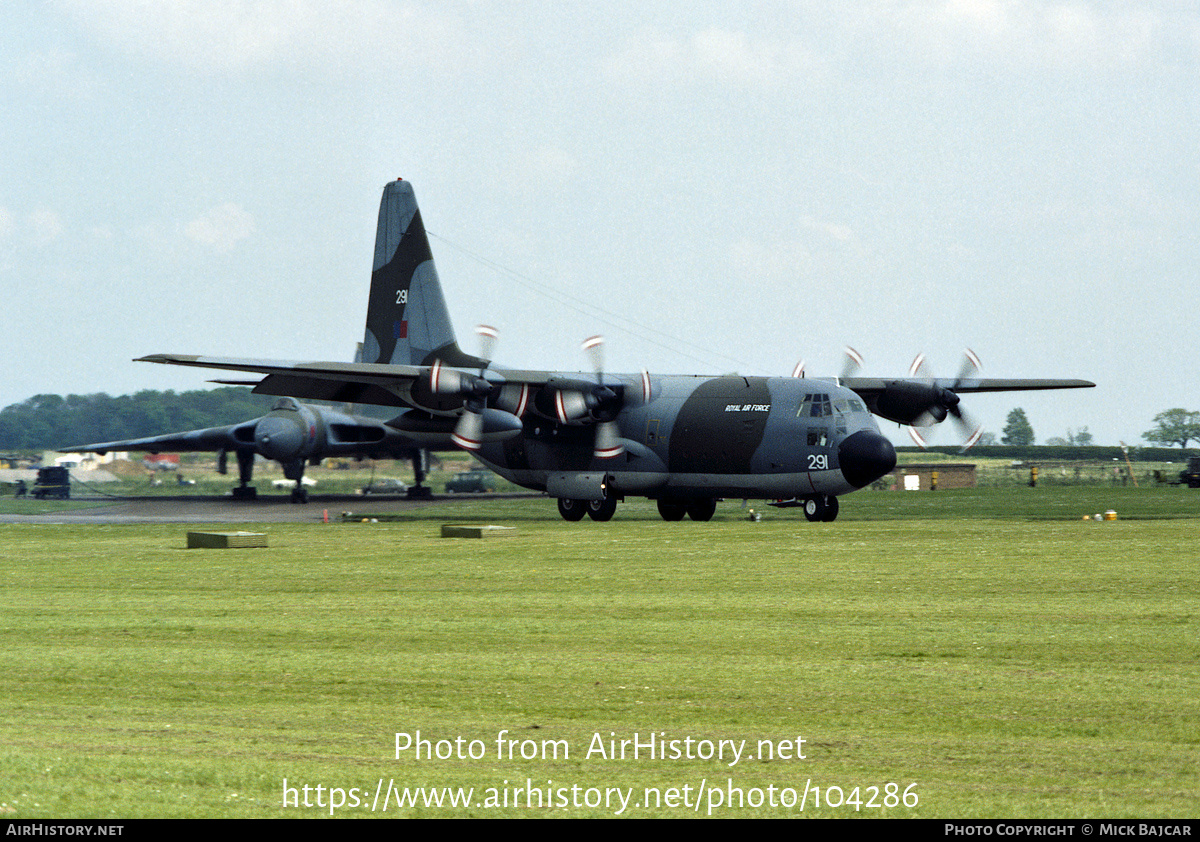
(592, 439)
(292, 434)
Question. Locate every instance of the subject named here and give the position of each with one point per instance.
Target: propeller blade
(972, 439)
(919, 368)
(854, 361)
(929, 418)
(970, 366)
(608, 440)
(468, 433)
(487, 341)
(594, 347)
(798, 371)
(969, 430)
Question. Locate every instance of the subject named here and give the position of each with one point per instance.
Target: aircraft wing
(868, 386)
(213, 438)
(918, 401)
(369, 383)
(325, 381)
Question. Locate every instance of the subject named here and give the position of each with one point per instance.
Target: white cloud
(226, 36)
(832, 230)
(712, 55)
(221, 228)
(544, 167)
(54, 72)
(45, 225)
(1081, 33)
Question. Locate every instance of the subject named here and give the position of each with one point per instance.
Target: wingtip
(168, 359)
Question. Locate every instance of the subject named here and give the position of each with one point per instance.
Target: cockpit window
(815, 406)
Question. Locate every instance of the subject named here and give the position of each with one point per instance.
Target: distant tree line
(1057, 453)
(51, 422)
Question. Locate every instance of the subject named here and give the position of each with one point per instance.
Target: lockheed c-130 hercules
(590, 440)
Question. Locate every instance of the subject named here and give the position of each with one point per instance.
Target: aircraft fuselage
(707, 437)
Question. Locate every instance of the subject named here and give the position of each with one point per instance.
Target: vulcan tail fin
(407, 320)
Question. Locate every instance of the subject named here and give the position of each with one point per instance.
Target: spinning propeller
(575, 400)
(944, 401)
(914, 403)
(496, 408)
(853, 363)
(508, 400)
(608, 434)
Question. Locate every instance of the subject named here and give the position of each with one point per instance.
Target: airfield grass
(989, 646)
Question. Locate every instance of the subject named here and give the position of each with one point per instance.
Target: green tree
(1080, 438)
(1174, 426)
(1017, 429)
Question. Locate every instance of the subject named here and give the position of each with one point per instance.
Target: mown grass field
(989, 646)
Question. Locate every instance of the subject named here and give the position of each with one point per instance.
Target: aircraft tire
(702, 509)
(822, 508)
(671, 509)
(571, 509)
(831, 509)
(814, 508)
(602, 510)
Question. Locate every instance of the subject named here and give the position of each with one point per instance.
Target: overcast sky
(726, 187)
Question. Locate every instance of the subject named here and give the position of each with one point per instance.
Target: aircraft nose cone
(864, 457)
(278, 438)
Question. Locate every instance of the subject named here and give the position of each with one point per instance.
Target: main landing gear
(699, 508)
(817, 508)
(598, 510)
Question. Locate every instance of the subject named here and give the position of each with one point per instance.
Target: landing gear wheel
(702, 509)
(602, 510)
(299, 494)
(831, 509)
(571, 509)
(671, 509)
(821, 508)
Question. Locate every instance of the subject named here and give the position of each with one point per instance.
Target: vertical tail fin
(407, 320)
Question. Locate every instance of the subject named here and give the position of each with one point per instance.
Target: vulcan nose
(278, 438)
(864, 457)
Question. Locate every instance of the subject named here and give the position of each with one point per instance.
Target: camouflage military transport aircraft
(591, 440)
(292, 434)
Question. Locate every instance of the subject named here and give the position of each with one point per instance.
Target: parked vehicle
(386, 486)
(1191, 477)
(471, 482)
(52, 482)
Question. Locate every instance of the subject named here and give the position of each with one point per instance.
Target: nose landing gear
(821, 507)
